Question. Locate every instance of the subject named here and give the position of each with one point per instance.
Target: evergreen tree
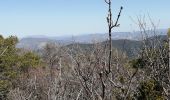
(12, 63)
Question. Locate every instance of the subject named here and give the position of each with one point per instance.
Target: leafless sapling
(111, 25)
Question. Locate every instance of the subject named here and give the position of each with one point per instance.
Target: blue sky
(74, 17)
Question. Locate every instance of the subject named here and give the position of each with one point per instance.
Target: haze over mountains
(37, 42)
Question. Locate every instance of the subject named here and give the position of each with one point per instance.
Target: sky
(74, 17)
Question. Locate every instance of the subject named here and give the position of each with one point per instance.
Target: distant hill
(32, 43)
(119, 38)
(130, 47)
(100, 37)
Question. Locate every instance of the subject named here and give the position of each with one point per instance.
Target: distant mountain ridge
(37, 42)
(136, 35)
(130, 47)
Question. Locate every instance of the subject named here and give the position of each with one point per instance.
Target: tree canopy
(12, 63)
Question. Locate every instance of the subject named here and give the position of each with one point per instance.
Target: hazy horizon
(61, 18)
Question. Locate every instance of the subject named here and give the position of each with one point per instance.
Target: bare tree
(111, 25)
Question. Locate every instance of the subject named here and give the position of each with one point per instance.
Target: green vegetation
(13, 63)
(150, 90)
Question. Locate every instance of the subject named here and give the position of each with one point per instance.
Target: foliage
(149, 90)
(137, 63)
(28, 60)
(11, 63)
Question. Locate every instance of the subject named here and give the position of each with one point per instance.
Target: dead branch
(111, 25)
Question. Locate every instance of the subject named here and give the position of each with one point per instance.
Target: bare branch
(116, 23)
(107, 1)
(4, 51)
